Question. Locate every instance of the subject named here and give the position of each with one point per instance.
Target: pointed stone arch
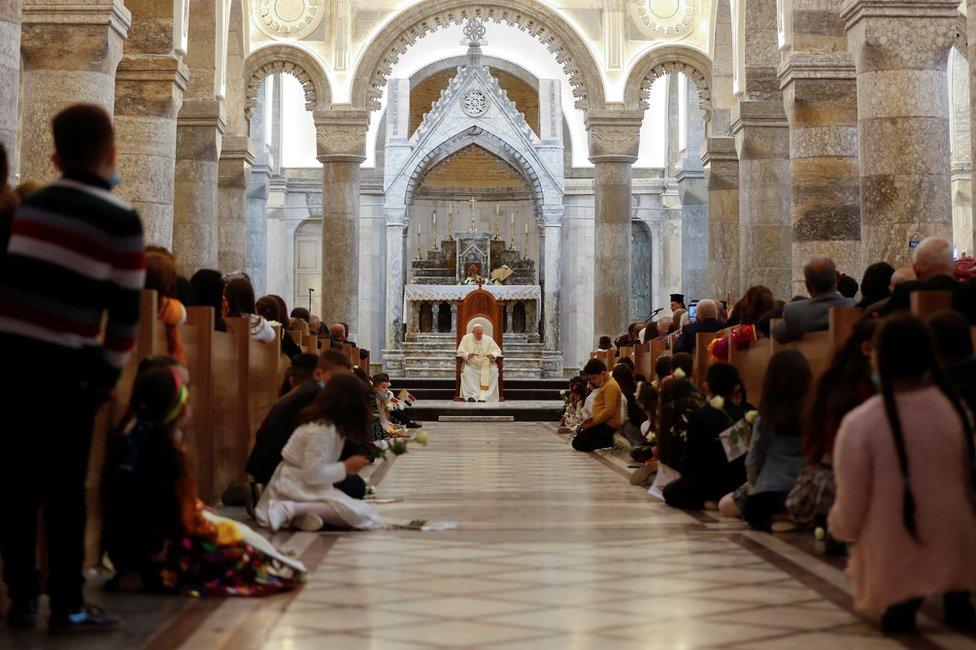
(285, 58)
(489, 142)
(541, 21)
(660, 61)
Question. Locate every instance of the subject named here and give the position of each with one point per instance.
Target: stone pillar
(341, 142)
(693, 190)
(199, 135)
(149, 85)
(613, 139)
(199, 132)
(820, 96)
(70, 57)
(552, 237)
(396, 229)
(657, 265)
(256, 251)
(234, 176)
(903, 123)
(9, 80)
(762, 140)
(722, 274)
(961, 166)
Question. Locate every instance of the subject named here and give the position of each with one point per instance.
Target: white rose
(750, 416)
(717, 402)
(679, 373)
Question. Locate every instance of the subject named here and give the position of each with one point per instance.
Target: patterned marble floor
(554, 549)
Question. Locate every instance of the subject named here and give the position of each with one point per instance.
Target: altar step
(526, 400)
(432, 355)
(515, 389)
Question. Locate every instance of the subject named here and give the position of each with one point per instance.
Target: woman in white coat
(301, 492)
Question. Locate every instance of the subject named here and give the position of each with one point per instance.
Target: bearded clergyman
(479, 374)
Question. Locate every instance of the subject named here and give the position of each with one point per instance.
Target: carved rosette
(666, 19)
(690, 71)
(279, 67)
(287, 18)
(451, 16)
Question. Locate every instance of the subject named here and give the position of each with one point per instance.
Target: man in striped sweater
(69, 303)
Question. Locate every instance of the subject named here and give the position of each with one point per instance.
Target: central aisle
(555, 550)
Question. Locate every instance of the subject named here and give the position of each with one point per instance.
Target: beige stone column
(9, 79)
(613, 139)
(961, 166)
(903, 122)
(820, 96)
(722, 163)
(199, 132)
(70, 57)
(762, 141)
(149, 87)
(234, 173)
(341, 140)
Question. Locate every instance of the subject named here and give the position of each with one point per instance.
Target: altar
(433, 307)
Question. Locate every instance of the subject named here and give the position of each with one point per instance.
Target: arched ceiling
(473, 170)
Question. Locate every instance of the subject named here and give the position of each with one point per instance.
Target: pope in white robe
(479, 374)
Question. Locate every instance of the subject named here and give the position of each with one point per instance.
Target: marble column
(961, 166)
(722, 161)
(234, 176)
(199, 135)
(693, 190)
(820, 96)
(657, 265)
(396, 230)
(256, 251)
(341, 142)
(9, 80)
(762, 141)
(613, 140)
(552, 236)
(903, 123)
(69, 57)
(200, 127)
(149, 85)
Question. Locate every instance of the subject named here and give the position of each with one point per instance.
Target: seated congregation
(166, 384)
(851, 419)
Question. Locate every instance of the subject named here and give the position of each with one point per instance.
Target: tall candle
(512, 221)
(435, 223)
(526, 229)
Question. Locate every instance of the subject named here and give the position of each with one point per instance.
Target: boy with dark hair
(597, 431)
(76, 257)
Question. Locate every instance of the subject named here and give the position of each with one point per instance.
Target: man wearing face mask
(279, 424)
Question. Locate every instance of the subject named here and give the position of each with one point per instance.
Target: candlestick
(418, 245)
(473, 228)
(450, 222)
(498, 226)
(434, 229)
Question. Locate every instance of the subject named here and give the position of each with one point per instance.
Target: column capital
(719, 150)
(111, 13)
(202, 112)
(150, 84)
(826, 66)
(854, 11)
(89, 34)
(236, 148)
(341, 135)
(614, 136)
(552, 217)
(748, 113)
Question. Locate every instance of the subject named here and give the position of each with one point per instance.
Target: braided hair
(904, 350)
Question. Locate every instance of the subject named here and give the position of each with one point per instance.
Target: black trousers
(597, 437)
(44, 461)
(759, 509)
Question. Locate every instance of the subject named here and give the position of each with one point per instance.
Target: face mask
(115, 181)
(321, 383)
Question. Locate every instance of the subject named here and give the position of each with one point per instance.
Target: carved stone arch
(489, 142)
(542, 22)
(659, 61)
(286, 58)
(454, 62)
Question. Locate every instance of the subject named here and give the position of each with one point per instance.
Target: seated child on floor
(153, 523)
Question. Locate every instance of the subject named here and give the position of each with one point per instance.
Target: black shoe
(413, 425)
(900, 618)
(470, 399)
(22, 614)
(90, 618)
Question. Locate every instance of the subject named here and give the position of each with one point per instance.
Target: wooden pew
(626, 352)
(230, 367)
(926, 303)
(751, 363)
(659, 347)
(644, 361)
(702, 339)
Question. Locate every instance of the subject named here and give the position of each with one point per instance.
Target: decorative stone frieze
(288, 18)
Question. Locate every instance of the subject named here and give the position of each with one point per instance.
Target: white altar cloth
(449, 292)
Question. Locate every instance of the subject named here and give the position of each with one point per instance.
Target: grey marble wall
(340, 243)
(576, 316)
(723, 217)
(9, 79)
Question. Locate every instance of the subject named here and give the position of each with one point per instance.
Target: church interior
(671, 302)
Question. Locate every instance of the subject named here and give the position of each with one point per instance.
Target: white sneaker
(310, 523)
(280, 514)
